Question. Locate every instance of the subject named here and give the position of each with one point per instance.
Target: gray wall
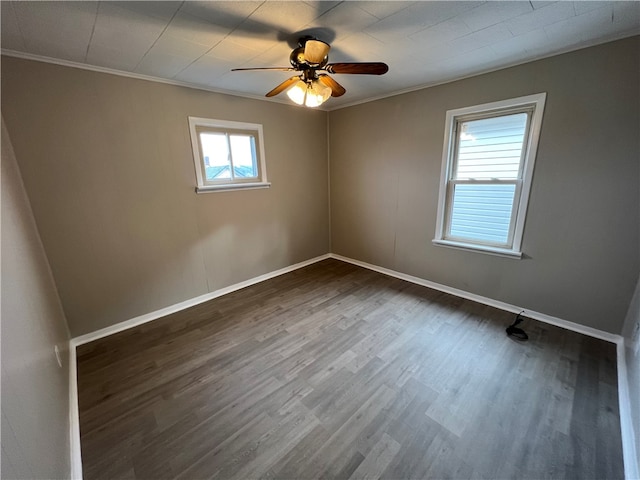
(35, 391)
(581, 234)
(108, 167)
(632, 360)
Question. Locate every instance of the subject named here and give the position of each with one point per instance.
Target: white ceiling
(198, 43)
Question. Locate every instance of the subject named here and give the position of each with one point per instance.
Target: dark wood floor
(334, 371)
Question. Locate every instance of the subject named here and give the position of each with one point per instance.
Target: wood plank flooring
(334, 371)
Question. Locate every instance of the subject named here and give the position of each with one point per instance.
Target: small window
(227, 155)
(487, 167)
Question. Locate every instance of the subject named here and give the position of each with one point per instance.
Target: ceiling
(198, 43)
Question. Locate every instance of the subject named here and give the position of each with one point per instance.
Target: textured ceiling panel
(198, 43)
(56, 29)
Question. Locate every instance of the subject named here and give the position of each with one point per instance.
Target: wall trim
(624, 403)
(543, 317)
(138, 76)
(631, 467)
(74, 416)
(570, 49)
(74, 412)
(324, 107)
(148, 317)
(628, 441)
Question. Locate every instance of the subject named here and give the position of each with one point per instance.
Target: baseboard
(626, 425)
(74, 417)
(558, 322)
(192, 302)
(630, 461)
(631, 467)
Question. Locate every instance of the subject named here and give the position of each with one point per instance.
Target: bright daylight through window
(487, 167)
(227, 155)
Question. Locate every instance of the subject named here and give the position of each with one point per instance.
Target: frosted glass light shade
(298, 92)
(311, 94)
(317, 94)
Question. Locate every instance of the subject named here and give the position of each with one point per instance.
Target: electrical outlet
(57, 352)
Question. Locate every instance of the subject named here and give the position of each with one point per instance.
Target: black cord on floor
(517, 333)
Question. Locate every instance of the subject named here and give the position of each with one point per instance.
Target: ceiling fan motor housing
(297, 58)
(310, 53)
(299, 62)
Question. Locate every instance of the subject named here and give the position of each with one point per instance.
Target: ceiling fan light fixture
(310, 94)
(297, 92)
(312, 86)
(317, 94)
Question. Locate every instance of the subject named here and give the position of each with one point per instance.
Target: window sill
(228, 187)
(501, 252)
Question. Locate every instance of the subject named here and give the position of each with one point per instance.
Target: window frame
(513, 247)
(199, 125)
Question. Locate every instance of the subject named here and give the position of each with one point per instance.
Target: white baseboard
(631, 467)
(558, 322)
(74, 416)
(630, 462)
(192, 302)
(626, 426)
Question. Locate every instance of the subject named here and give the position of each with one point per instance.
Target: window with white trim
(487, 167)
(227, 155)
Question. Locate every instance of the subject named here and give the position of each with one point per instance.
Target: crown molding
(137, 76)
(555, 53)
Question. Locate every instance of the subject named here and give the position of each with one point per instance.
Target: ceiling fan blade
(366, 68)
(283, 86)
(315, 51)
(337, 90)
(281, 69)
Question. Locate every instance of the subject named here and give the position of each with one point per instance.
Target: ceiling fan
(313, 85)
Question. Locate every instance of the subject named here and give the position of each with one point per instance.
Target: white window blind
(486, 176)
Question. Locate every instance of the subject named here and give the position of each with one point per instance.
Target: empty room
(320, 239)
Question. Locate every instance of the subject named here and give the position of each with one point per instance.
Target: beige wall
(581, 234)
(107, 164)
(35, 391)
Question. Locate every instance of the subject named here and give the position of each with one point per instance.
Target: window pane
(243, 154)
(491, 148)
(482, 212)
(216, 155)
